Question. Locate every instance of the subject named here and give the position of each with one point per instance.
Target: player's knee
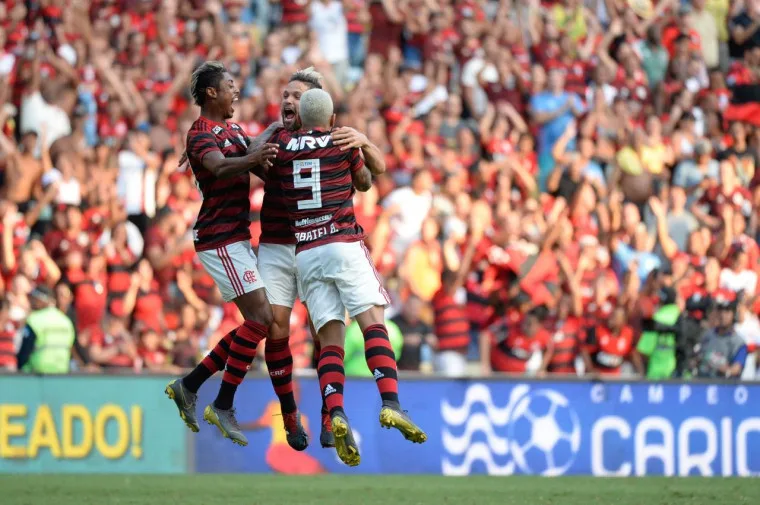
(278, 331)
(261, 314)
(332, 333)
(373, 315)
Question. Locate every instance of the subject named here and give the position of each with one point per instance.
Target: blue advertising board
(89, 424)
(506, 427)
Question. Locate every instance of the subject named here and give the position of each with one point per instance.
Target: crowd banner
(89, 424)
(504, 427)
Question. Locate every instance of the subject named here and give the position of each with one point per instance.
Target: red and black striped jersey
(7, 345)
(452, 327)
(275, 224)
(225, 216)
(315, 178)
(294, 11)
(609, 350)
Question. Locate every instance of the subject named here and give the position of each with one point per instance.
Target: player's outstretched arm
(222, 167)
(346, 137)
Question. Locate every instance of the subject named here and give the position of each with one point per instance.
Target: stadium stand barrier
(497, 426)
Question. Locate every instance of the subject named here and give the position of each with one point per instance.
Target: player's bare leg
(257, 312)
(332, 377)
(184, 391)
(382, 363)
(326, 437)
(280, 365)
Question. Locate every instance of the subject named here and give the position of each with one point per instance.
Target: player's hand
(264, 155)
(348, 138)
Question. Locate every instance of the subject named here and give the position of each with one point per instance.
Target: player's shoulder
(236, 128)
(280, 133)
(200, 127)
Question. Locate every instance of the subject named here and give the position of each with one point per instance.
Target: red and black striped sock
(317, 353)
(381, 361)
(212, 363)
(280, 365)
(332, 377)
(241, 355)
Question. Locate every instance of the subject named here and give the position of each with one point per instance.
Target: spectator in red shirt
(607, 345)
(168, 245)
(154, 357)
(508, 348)
(143, 300)
(113, 346)
(681, 26)
(566, 332)
(7, 338)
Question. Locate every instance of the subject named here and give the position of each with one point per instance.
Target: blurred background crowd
(572, 185)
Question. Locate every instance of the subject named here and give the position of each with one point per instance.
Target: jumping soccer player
(317, 181)
(277, 264)
(220, 158)
(277, 249)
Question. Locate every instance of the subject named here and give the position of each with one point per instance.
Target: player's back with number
(316, 180)
(319, 181)
(224, 217)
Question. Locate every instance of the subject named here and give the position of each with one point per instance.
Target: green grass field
(369, 490)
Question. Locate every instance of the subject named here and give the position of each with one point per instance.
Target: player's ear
(211, 92)
(332, 120)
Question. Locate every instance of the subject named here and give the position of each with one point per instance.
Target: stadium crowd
(570, 183)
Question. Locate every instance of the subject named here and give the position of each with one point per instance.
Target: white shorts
(233, 268)
(277, 264)
(338, 277)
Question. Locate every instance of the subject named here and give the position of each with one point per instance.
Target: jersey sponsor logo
(329, 389)
(249, 276)
(609, 360)
(308, 142)
(309, 221)
(217, 130)
(227, 143)
(311, 235)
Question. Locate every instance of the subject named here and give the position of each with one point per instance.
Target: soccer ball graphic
(544, 433)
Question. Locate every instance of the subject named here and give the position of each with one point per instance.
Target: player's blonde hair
(316, 108)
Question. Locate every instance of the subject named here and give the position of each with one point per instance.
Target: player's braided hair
(308, 76)
(208, 75)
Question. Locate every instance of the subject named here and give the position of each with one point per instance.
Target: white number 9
(312, 183)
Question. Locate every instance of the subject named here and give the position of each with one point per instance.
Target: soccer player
(317, 181)
(221, 160)
(277, 264)
(277, 249)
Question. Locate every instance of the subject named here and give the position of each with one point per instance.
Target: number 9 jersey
(315, 177)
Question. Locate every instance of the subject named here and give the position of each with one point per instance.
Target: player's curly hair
(208, 75)
(308, 76)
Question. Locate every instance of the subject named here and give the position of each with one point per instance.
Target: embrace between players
(311, 246)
